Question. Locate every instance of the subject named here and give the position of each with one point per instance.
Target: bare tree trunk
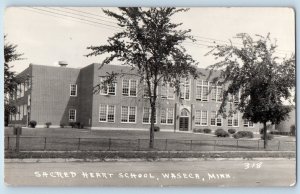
(265, 136)
(151, 142)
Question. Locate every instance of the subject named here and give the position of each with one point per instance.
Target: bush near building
(48, 124)
(231, 131)
(221, 133)
(207, 130)
(32, 123)
(198, 130)
(243, 134)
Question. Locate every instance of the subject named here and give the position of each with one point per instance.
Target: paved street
(264, 172)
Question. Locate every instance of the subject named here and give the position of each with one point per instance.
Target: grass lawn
(66, 139)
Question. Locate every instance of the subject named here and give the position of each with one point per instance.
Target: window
(106, 113)
(22, 88)
(128, 114)
(109, 89)
(204, 118)
(219, 120)
(25, 109)
(167, 116)
(205, 90)
(73, 90)
(125, 87)
(147, 115)
(198, 117)
(248, 123)
(199, 90)
(21, 112)
(185, 89)
(26, 85)
(18, 91)
(29, 100)
(219, 93)
(236, 98)
(18, 112)
(72, 115)
(233, 121)
(129, 87)
(213, 116)
(167, 91)
(216, 92)
(213, 95)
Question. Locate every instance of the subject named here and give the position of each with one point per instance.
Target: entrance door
(183, 124)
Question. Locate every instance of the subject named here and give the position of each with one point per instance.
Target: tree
(10, 79)
(151, 44)
(264, 80)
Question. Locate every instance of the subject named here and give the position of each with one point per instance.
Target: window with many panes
(248, 123)
(213, 118)
(106, 113)
(219, 120)
(167, 116)
(198, 117)
(72, 115)
(205, 90)
(233, 120)
(167, 91)
(108, 89)
(199, 89)
(147, 115)
(128, 114)
(129, 87)
(213, 92)
(219, 93)
(204, 118)
(185, 89)
(73, 89)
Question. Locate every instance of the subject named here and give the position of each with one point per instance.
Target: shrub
(198, 130)
(207, 130)
(261, 130)
(72, 124)
(269, 136)
(32, 124)
(293, 130)
(221, 133)
(48, 124)
(62, 125)
(80, 125)
(231, 131)
(156, 128)
(242, 134)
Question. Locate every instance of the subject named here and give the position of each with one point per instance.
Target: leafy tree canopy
(263, 79)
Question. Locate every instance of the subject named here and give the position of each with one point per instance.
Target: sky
(47, 35)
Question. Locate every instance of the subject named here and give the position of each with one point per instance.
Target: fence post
(257, 144)
(78, 148)
(109, 143)
(8, 143)
(45, 142)
(166, 144)
(139, 144)
(237, 144)
(18, 142)
(191, 145)
(215, 145)
(278, 145)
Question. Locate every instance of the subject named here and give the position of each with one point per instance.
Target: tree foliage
(152, 45)
(263, 79)
(10, 79)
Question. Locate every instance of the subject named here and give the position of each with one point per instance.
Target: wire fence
(34, 143)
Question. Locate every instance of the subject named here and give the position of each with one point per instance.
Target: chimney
(63, 63)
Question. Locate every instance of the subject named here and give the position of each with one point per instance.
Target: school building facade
(62, 95)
